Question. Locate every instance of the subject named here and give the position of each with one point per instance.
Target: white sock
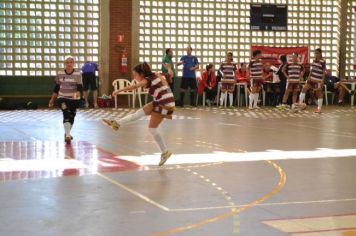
(67, 128)
(222, 98)
(252, 98)
(132, 117)
(320, 103)
(159, 139)
(256, 98)
(301, 97)
(231, 97)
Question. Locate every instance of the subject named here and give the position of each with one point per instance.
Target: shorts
(71, 104)
(256, 82)
(162, 111)
(188, 83)
(313, 84)
(228, 85)
(293, 86)
(89, 80)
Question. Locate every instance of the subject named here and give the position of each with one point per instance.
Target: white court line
(264, 204)
(219, 156)
(137, 194)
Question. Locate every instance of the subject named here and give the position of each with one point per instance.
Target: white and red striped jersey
(159, 89)
(294, 71)
(317, 70)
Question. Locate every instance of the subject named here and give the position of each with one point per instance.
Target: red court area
(42, 159)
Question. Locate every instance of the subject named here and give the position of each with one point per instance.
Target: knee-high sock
(132, 117)
(222, 98)
(256, 98)
(158, 139)
(67, 128)
(301, 97)
(231, 98)
(320, 103)
(252, 99)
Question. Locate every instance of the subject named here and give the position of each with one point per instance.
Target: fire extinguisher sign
(123, 65)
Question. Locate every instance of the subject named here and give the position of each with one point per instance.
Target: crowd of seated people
(304, 82)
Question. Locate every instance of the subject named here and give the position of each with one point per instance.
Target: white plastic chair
(121, 83)
(239, 95)
(138, 92)
(326, 92)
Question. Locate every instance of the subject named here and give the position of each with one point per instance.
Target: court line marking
(275, 190)
(137, 194)
(264, 204)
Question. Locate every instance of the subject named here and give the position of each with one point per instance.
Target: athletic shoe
(164, 157)
(281, 107)
(256, 107)
(250, 108)
(111, 123)
(302, 106)
(208, 102)
(68, 139)
(318, 110)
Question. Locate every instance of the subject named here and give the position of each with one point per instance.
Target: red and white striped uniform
(317, 70)
(161, 92)
(294, 71)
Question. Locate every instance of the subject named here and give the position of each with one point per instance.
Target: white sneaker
(164, 157)
(111, 123)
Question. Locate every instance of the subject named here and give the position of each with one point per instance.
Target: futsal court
(233, 172)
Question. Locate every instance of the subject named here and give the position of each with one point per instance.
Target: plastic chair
(119, 84)
(326, 92)
(239, 95)
(140, 91)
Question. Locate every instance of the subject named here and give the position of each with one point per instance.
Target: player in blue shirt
(190, 65)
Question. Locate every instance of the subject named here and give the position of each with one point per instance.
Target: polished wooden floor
(233, 172)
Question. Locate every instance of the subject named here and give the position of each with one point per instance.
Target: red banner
(271, 54)
(354, 39)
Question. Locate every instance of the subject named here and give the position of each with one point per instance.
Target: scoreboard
(268, 17)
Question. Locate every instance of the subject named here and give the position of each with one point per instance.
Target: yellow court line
(264, 204)
(137, 194)
(234, 211)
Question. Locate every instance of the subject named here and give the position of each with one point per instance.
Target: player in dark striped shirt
(256, 78)
(68, 86)
(162, 106)
(293, 72)
(227, 69)
(315, 80)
